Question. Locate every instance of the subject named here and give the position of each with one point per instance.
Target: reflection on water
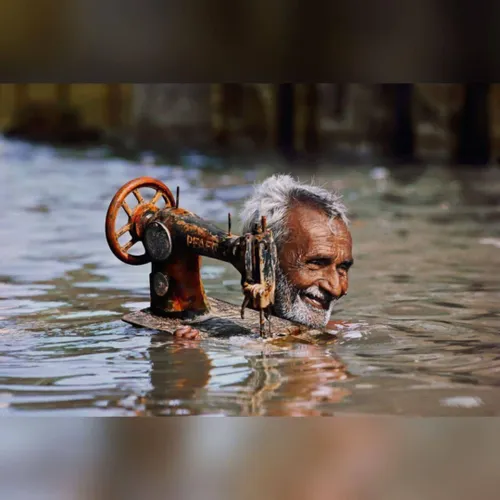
(420, 325)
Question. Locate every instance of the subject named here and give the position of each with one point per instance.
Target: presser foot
(264, 316)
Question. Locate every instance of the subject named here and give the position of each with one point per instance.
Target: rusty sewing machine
(175, 240)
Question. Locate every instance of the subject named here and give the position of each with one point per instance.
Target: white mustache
(290, 303)
(315, 292)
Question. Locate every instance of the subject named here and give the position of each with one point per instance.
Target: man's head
(314, 246)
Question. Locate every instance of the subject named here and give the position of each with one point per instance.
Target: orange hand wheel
(136, 216)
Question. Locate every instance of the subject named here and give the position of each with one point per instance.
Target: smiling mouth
(315, 302)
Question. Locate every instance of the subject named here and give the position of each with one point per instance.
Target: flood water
(421, 321)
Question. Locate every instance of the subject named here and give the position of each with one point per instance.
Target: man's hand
(187, 332)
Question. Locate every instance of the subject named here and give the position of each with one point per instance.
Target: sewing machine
(174, 240)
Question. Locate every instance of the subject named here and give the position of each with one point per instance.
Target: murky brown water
(422, 332)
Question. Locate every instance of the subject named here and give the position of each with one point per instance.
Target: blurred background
(402, 123)
(155, 40)
(315, 459)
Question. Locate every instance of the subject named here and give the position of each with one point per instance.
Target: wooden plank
(224, 320)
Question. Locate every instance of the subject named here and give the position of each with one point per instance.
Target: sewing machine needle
(267, 316)
(245, 303)
(261, 317)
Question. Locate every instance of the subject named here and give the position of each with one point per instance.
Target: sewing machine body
(175, 240)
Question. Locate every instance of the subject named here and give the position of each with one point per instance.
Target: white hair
(275, 196)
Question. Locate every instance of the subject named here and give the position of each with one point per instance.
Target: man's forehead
(299, 212)
(310, 225)
(304, 217)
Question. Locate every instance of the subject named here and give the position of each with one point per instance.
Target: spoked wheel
(136, 216)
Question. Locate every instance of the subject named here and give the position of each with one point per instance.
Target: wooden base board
(224, 320)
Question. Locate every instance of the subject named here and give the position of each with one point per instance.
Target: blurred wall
(99, 105)
(346, 117)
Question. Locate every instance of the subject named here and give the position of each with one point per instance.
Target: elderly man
(314, 246)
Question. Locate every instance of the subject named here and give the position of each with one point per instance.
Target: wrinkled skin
(313, 269)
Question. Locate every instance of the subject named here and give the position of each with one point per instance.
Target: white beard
(288, 303)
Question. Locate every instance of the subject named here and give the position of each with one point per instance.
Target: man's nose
(333, 285)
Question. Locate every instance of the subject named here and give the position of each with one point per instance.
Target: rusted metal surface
(260, 271)
(254, 255)
(136, 217)
(176, 239)
(191, 237)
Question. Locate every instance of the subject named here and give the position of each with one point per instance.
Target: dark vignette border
(223, 40)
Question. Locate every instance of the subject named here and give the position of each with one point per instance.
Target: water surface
(421, 332)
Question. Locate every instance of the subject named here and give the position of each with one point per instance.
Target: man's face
(313, 266)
